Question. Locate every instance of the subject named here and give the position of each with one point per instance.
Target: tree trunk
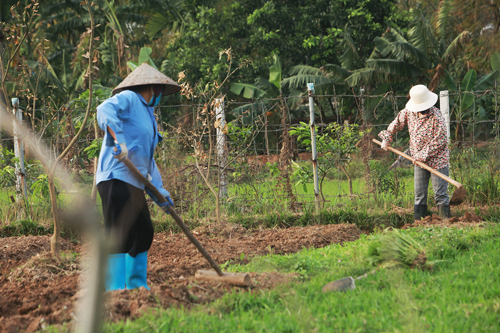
(93, 196)
(55, 242)
(349, 181)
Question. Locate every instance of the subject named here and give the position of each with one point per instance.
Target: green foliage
(144, 57)
(386, 181)
(24, 227)
(7, 171)
(41, 186)
(393, 248)
(261, 29)
(482, 187)
(334, 146)
(301, 175)
(94, 149)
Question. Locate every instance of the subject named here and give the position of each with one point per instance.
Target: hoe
(458, 195)
(218, 275)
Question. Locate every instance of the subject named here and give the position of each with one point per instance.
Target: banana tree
(144, 56)
(265, 94)
(472, 103)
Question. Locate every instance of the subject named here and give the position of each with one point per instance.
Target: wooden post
(19, 153)
(444, 105)
(312, 124)
(221, 146)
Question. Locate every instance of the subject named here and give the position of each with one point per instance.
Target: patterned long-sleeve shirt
(428, 136)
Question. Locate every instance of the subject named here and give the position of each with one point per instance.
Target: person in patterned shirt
(428, 144)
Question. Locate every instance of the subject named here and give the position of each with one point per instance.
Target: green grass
(462, 293)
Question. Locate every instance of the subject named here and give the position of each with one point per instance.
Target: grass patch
(24, 227)
(461, 294)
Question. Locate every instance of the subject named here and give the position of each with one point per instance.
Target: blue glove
(120, 151)
(164, 205)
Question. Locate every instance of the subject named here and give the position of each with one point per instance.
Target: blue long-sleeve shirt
(134, 124)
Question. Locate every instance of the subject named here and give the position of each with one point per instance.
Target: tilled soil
(467, 220)
(36, 289)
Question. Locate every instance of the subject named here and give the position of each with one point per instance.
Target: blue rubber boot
(115, 274)
(137, 270)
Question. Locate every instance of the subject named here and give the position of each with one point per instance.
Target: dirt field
(468, 219)
(36, 290)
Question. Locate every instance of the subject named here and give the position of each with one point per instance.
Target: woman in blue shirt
(130, 128)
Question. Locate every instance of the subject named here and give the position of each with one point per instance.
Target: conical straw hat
(144, 75)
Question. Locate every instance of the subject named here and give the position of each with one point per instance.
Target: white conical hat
(421, 98)
(144, 75)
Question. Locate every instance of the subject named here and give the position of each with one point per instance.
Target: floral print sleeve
(397, 125)
(428, 136)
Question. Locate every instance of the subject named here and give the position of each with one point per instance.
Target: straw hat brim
(145, 75)
(418, 107)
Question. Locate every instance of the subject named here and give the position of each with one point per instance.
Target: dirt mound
(36, 290)
(467, 220)
(15, 250)
(45, 266)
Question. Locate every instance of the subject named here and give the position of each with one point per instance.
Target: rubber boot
(419, 212)
(444, 211)
(137, 270)
(115, 274)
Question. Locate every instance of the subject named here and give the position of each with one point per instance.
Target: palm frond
(443, 17)
(335, 71)
(393, 35)
(269, 88)
(456, 46)
(407, 52)
(383, 46)
(393, 67)
(301, 81)
(350, 57)
(304, 70)
(421, 36)
(156, 24)
(363, 76)
(275, 72)
(249, 90)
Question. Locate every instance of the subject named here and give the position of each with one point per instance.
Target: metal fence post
(19, 153)
(312, 124)
(444, 105)
(220, 118)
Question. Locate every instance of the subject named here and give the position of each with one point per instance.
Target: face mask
(155, 100)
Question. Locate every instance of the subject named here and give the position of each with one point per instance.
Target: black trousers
(126, 217)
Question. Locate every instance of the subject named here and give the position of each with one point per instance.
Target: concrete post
(444, 105)
(221, 146)
(312, 124)
(19, 153)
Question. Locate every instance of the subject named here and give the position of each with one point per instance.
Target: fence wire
(256, 171)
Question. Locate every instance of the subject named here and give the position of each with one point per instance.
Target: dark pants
(126, 217)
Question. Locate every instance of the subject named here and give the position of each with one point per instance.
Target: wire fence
(266, 169)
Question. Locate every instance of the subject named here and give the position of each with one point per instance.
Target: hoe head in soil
(458, 195)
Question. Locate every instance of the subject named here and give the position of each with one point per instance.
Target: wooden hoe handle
(422, 165)
(174, 215)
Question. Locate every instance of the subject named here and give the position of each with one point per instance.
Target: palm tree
(422, 54)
